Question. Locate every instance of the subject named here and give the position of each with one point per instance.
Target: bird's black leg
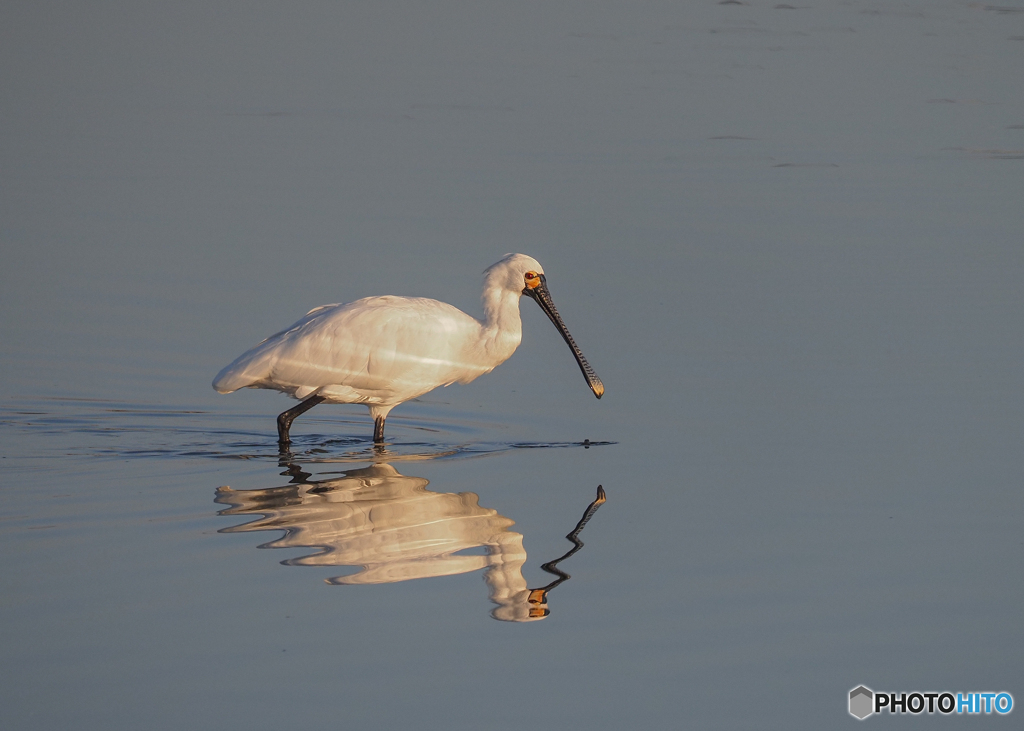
(378, 430)
(284, 421)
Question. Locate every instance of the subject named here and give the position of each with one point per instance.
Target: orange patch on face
(532, 282)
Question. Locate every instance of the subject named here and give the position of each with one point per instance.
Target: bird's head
(524, 274)
(514, 272)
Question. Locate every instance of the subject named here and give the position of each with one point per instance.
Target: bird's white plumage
(381, 351)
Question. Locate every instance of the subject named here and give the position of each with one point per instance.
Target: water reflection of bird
(395, 529)
(382, 351)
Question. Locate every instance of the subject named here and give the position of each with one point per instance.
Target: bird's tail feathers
(248, 369)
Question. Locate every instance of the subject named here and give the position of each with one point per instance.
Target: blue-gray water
(789, 239)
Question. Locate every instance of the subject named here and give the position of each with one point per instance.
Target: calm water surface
(787, 238)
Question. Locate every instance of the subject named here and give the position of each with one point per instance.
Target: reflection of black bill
(542, 297)
(539, 597)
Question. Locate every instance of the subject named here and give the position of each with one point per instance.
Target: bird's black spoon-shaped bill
(542, 297)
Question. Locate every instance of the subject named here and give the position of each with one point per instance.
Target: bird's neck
(502, 326)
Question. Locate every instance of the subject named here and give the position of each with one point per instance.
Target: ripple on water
(113, 430)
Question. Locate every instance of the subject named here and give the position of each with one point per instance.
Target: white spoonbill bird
(382, 351)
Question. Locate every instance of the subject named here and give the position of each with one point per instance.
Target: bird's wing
(253, 367)
(378, 346)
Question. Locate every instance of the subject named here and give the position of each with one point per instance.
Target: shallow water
(787, 238)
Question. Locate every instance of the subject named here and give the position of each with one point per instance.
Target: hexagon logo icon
(861, 702)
